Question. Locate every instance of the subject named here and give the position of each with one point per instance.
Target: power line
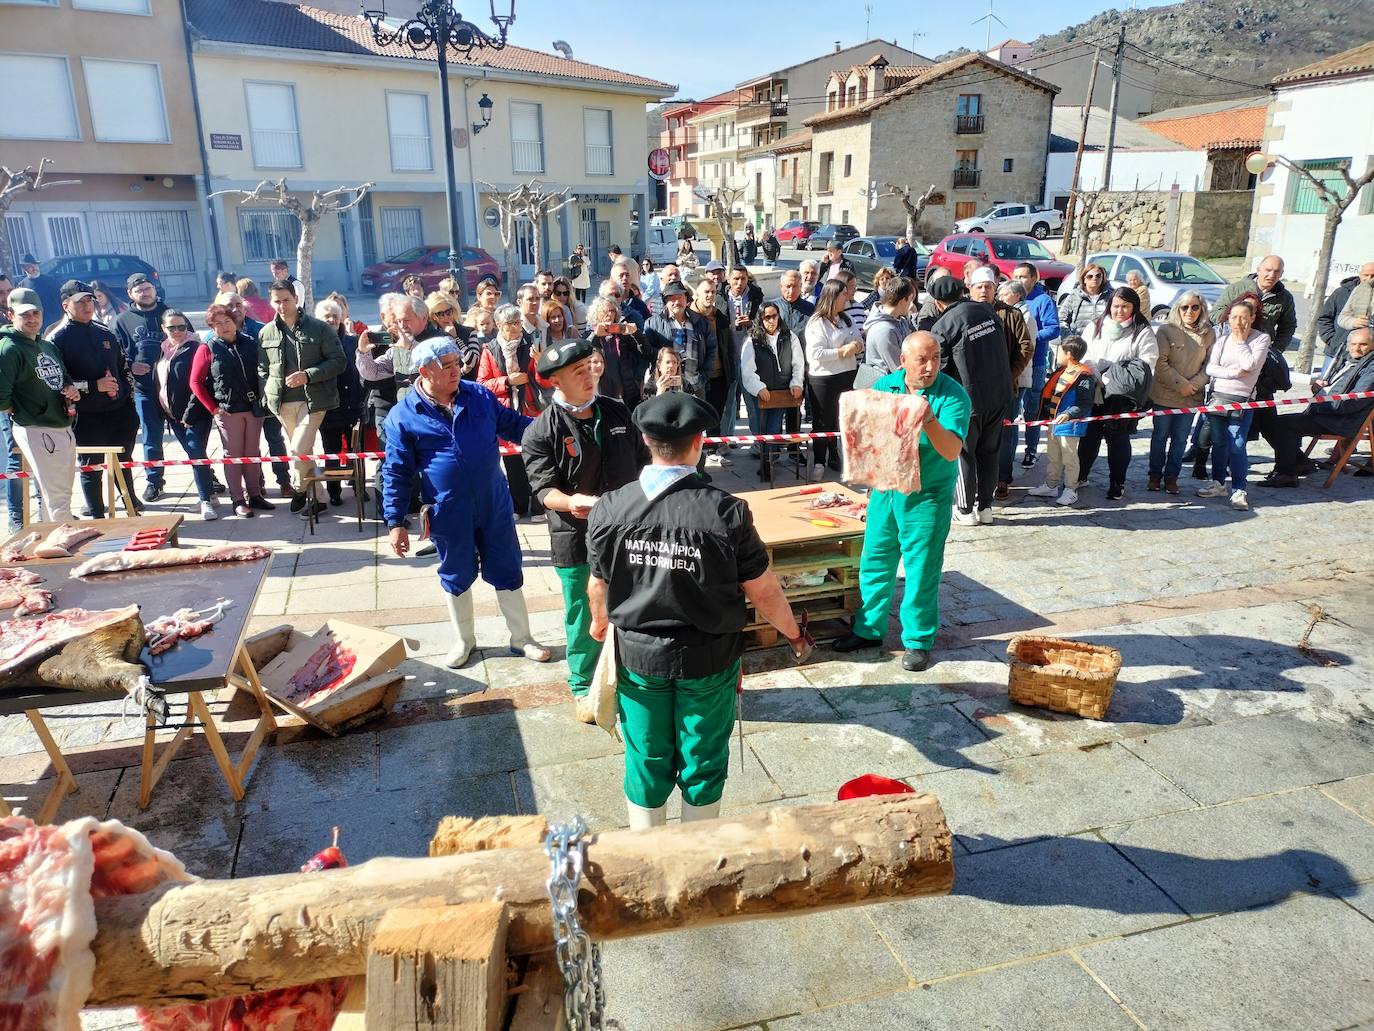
(1193, 71)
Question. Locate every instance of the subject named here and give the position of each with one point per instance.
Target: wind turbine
(990, 17)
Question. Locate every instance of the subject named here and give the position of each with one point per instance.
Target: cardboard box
(362, 687)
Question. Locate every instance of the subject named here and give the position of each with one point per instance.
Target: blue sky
(705, 48)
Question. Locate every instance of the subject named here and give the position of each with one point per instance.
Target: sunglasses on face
(1093, 275)
(179, 327)
(561, 293)
(1191, 307)
(772, 316)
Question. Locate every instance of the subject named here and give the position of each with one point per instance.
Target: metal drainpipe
(200, 138)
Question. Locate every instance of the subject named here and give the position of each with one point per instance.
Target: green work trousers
(583, 649)
(911, 528)
(676, 732)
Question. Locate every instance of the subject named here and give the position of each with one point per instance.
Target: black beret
(564, 353)
(946, 289)
(674, 415)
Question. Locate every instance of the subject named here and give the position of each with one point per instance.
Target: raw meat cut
(35, 600)
(182, 625)
(62, 540)
(882, 435)
(15, 552)
(17, 587)
(47, 923)
(325, 668)
(119, 561)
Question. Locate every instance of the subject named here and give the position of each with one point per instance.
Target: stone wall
(1215, 223)
(1205, 224)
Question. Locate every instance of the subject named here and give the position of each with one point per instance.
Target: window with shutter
(407, 117)
(272, 124)
(596, 127)
(48, 111)
(126, 101)
(526, 137)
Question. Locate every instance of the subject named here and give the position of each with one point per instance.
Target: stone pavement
(1202, 858)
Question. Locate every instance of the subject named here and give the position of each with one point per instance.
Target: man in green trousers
(580, 447)
(673, 560)
(912, 527)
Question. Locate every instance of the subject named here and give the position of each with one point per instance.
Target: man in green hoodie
(34, 391)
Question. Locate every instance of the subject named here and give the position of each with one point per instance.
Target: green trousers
(583, 649)
(911, 528)
(676, 732)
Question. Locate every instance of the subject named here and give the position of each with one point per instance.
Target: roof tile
(269, 23)
(1237, 128)
(1354, 61)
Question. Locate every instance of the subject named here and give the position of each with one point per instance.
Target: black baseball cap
(74, 288)
(137, 279)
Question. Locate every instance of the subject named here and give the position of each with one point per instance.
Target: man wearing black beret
(673, 561)
(577, 449)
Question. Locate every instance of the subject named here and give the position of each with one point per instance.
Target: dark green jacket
(1278, 315)
(311, 347)
(31, 374)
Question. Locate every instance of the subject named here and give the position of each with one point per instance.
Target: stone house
(975, 128)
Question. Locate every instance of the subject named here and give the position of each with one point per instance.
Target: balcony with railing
(762, 111)
(276, 148)
(410, 153)
(967, 178)
(527, 155)
(682, 136)
(968, 123)
(787, 190)
(599, 160)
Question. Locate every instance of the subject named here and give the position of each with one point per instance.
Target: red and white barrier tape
(761, 438)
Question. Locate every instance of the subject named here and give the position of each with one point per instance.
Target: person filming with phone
(625, 358)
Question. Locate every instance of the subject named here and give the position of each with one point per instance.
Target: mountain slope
(1250, 42)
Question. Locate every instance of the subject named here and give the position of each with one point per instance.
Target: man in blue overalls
(446, 430)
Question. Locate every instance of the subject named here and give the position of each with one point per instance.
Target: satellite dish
(563, 48)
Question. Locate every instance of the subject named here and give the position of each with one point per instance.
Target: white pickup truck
(1013, 218)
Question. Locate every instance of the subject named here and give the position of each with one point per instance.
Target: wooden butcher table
(796, 545)
(216, 660)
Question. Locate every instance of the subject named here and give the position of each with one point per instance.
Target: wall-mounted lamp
(485, 105)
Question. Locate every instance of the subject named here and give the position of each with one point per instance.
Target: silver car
(1166, 273)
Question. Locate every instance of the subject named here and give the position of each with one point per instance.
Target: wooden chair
(117, 477)
(1346, 447)
(353, 472)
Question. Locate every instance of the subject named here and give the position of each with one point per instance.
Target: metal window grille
(268, 233)
(401, 230)
(21, 241)
(1305, 199)
(161, 238)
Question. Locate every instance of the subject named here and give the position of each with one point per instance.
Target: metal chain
(578, 958)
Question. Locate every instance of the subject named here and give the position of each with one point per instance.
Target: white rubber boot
(460, 615)
(517, 617)
(642, 819)
(693, 813)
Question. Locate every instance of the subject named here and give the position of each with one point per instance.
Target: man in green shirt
(34, 391)
(912, 527)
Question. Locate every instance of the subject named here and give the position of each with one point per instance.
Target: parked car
(1166, 273)
(870, 253)
(430, 263)
(1003, 253)
(113, 271)
(1013, 218)
(820, 239)
(796, 233)
(663, 243)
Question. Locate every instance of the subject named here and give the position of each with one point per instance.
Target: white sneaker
(965, 518)
(1240, 501)
(243, 511)
(1079, 485)
(1212, 489)
(1069, 497)
(207, 511)
(985, 516)
(1045, 490)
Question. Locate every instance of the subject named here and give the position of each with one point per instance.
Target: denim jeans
(151, 421)
(193, 439)
(762, 420)
(13, 462)
(1228, 447)
(1025, 402)
(1168, 439)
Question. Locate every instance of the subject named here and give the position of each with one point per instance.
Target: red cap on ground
(873, 784)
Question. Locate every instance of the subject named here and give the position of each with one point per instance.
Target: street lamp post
(437, 25)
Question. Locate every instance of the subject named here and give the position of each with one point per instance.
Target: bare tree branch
(12, 184)
(722, 201)
(914, 209)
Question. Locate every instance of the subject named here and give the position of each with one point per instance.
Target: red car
(430, 263)
(796, 232)
(1003, 253)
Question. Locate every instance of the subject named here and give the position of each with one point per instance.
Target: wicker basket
(1066, 676)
